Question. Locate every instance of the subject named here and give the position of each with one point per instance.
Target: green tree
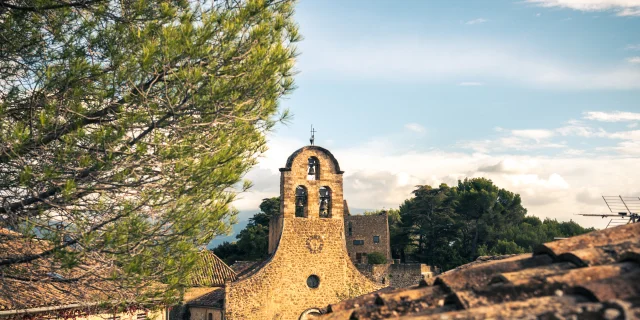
(449, 226)
(430, 227)
(485, 208)
(253, 240)
(376, 258)
(130, 122)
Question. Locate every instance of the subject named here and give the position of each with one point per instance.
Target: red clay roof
(43, 282)
(211, 271)
(592, 276)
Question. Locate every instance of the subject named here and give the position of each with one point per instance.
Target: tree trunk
(474, 244)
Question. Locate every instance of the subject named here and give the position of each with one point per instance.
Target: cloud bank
(380, 174)
(620, 7)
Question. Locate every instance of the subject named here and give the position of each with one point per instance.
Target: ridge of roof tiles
(591, 276)
(211, 271)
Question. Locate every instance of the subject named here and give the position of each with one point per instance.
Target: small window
(360, 257)
(313, 281)
(376, 239)
(358, 242)
(210, 316)
(350, 229)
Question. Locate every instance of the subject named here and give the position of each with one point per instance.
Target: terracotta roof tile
(43, 282)
(591, 276)
(211, 271)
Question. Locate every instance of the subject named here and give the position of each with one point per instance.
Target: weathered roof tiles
(592, 276)
(211, 271)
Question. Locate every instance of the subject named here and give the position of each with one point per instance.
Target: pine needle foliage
(126, 126)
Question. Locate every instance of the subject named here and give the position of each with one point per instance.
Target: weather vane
(313, 136)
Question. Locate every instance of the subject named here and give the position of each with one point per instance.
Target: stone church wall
(307, 246)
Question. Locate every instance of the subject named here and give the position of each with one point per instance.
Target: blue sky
(541, 96)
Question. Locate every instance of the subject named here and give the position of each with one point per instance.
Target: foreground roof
(591, 276)
(44, 283)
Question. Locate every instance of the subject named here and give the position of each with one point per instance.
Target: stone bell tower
(309, 267)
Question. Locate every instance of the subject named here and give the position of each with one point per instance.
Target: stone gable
(310, 267)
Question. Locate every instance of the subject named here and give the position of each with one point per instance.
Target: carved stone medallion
(315, 243)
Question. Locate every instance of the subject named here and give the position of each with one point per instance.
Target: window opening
(325, 202)
(313, 281)
(313, 169)
(350, 229)
(376, 239)
(358, 242)
(301, 201)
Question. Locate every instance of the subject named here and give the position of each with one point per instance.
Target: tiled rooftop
(591, 276)
(43, 282)
(211, 271)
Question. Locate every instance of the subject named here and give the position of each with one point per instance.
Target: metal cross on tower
(313, 136)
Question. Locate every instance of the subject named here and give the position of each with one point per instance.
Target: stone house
(367, 234)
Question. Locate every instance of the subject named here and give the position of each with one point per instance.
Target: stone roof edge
(321, 149)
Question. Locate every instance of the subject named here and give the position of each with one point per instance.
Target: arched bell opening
(313, 169)
(325, 202)
(313, 313)
(301, 202)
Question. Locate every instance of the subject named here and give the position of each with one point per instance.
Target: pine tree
(126, 125)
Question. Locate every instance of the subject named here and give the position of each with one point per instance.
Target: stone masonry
(397, 275)
(361, 234)
(309, 251)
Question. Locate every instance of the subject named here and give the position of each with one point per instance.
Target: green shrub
(376, 258)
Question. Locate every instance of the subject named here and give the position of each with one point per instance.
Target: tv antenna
(624, 210)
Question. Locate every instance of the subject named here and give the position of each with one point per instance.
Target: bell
(300, 202)
(312, 170)
(323, 205)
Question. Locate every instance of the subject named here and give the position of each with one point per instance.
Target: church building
(310, 267)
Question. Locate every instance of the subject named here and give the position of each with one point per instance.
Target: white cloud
(628, 12)
(633, 60)
(505, 144)
(445, 60)
(470, 84)
(414, 127)
(476, 21)
(620, 7)
(633, 47)
(632, 125)
(536, 134)
(614, 116)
